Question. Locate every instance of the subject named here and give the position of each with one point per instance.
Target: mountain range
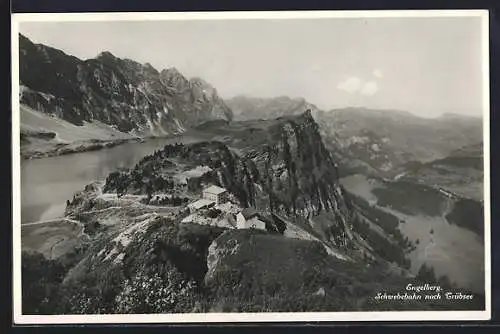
(124, 94)
(66, 101)
(356, 201)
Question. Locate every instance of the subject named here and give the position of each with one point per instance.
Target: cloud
(378, 73)
(355, 85)
(369, 88)
(351, 85)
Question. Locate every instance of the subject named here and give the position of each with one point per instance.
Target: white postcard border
(19, 318)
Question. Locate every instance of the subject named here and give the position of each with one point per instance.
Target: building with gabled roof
(200, 204)
(217, 194)
(250, 218)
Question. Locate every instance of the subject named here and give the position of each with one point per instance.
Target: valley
(425, 221)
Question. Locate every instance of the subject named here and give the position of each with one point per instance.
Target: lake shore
(43, 136)
(75, 147)
(80, 146)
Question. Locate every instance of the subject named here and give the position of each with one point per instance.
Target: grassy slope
(33, 120)
(53, 239)
(61, 134)
(296, 275)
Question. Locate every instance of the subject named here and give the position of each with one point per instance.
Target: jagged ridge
(131, 96)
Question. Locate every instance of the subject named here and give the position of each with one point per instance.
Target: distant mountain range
(246, 108)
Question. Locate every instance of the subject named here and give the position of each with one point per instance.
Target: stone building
(216, 194)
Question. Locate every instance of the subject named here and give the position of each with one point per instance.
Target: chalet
(216, 194)
(249, 218)
(200, 204)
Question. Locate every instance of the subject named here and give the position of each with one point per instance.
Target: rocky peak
(307, 116)
(203, 87)
(197, 81)
(106, 55)
(172, 72)
(172, 78)
(149, 68)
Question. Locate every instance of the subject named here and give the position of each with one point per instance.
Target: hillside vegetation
(176, 267)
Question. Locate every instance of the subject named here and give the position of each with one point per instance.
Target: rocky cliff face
(297, 170)
(130, 96)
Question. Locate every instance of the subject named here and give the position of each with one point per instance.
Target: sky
(427, 66)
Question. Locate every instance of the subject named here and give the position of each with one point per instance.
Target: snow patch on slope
(32, 120)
